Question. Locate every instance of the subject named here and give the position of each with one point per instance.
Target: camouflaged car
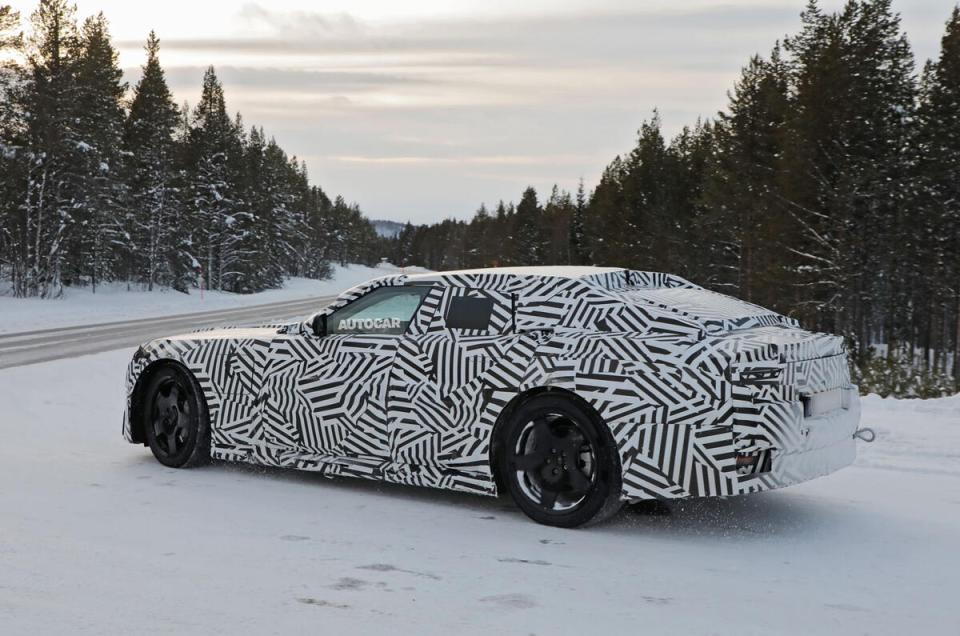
(576, 389)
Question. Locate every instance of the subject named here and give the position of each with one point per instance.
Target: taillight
(753, 463)
(754, 375)
(747, 459)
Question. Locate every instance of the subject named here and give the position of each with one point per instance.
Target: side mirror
(319, 325)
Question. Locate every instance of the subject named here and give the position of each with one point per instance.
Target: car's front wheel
(560, 463)
(175, 419)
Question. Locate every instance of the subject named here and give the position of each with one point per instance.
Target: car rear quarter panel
(666, 407)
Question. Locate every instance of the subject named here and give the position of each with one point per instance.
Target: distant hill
(387, 229)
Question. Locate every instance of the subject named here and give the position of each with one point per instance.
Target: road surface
(17, 349)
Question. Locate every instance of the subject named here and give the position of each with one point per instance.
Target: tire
(560, 463)
(175, 420)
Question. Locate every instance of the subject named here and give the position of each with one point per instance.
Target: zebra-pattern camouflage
(664, 363)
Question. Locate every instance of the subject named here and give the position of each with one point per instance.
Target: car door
(326, 395)
(436, 390)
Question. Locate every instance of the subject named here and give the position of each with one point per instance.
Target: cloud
(427, 117)
(494, 160)
(316, 63)
(312, 22)
(273, 78)
(583, 36)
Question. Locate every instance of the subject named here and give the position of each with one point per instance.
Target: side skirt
(372, 468)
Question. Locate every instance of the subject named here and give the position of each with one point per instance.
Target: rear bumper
(670, 462)
(825, 445)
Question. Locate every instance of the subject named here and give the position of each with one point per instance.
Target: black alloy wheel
(175, 418)
(560, 463)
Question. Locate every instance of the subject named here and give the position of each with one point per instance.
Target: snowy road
(22, 348)
(96, 537)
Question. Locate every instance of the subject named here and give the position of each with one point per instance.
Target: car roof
(555, 271)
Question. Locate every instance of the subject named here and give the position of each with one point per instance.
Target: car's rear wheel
(560, 463)
(175, 419)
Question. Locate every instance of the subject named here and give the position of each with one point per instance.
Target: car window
(467, 312)
(386, 310)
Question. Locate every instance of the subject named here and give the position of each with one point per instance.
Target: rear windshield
(705, 305)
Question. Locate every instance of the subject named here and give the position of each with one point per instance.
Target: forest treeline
(102, 183)
(828, 189)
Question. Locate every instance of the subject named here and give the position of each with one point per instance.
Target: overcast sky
(422, 110)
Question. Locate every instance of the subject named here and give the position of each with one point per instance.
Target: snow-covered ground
(113, 302)
(96, 537)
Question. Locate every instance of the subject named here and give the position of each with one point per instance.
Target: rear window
(699, 303)
(469, 312)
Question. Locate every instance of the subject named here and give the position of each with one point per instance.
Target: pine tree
(528, 243)
(318, 244)
(502, 234)
(54, 155)
(402, 254)
(477, 239)
(212, 148)
(99, 128)
(557, 217)
(352, 237)
(10, 38)
(12, 157)
(153, 210)
(295, 231)
(279, 224)
(270, 228)
(634, 206)
(157, 197)
(648, 197)
(690, 154)
(608, 239)
(847, 163)
(937, 275)
(744, 219)
(579, 254)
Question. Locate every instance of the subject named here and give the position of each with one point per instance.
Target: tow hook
(865, 434)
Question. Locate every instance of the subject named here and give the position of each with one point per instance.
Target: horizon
(426, 114)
